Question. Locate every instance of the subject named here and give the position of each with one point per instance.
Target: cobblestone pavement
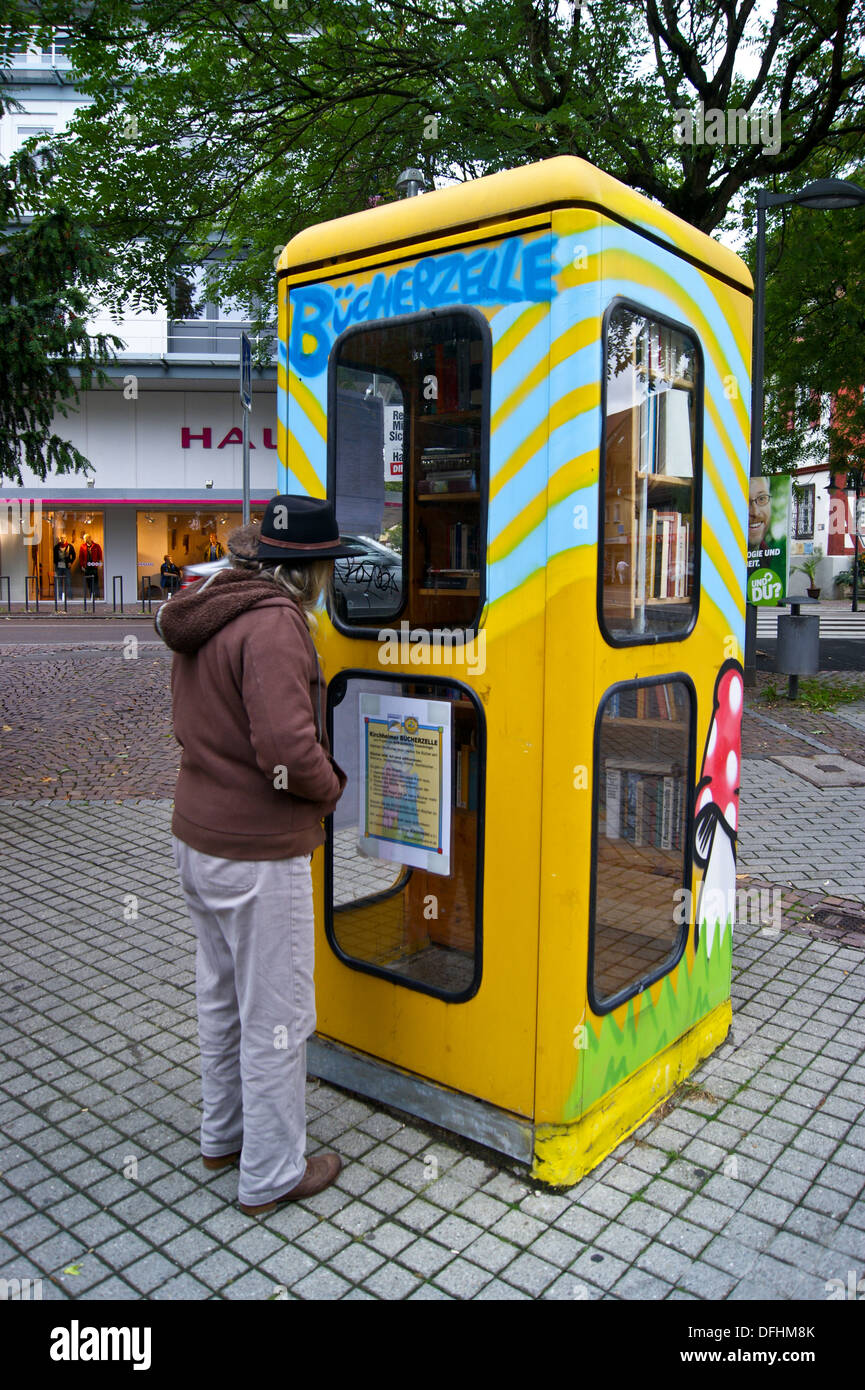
(84, 721)
(746, 1185)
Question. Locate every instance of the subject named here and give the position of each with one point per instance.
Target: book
(613, 804)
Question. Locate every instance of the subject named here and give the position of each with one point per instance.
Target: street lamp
(825, 195)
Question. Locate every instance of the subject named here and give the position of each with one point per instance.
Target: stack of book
(435, 578)
(644, 805)
(669, 539)
(444, 471)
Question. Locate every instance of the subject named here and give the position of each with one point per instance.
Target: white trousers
(256, 1009)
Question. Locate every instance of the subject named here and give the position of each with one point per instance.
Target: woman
(256, 780)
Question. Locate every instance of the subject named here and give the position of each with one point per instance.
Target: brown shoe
(321, 1171)
(223, 1161)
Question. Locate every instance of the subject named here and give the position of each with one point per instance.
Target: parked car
(365, 586)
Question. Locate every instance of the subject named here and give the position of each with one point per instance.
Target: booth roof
(559, 182)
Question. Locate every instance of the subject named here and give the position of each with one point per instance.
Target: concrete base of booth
(474, 1119)
(560, 1155)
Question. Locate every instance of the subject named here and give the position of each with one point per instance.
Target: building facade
(165, 437)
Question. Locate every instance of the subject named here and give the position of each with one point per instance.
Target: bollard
(4, 579)
(31, 579)
(114, 582)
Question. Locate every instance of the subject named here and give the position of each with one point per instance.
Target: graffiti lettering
(505, 274)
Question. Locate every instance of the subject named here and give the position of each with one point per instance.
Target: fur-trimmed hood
(189, 619)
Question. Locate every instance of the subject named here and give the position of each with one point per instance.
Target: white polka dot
(705, 798)
(732, 768)
(736, 694)
(730, 815)
(713, 739)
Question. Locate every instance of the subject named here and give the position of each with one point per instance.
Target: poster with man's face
(768, 529)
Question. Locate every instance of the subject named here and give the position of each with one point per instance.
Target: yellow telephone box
(529, 395)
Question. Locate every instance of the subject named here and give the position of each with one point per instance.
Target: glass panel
(368, 589)
(644, 776)
(650, 468)
(419, 384)
(391, 913)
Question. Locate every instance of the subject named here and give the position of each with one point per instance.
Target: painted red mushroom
(716, 810)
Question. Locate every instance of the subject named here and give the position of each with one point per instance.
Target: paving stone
(606, 1201)
(621, 1240)
(116, 1289)
(220, 1268)
(706, 1281)
(288, 1265)
(322, 1285)
(419, 1215)
(581, 1223)
(553, 1246)
(490, 1252)
(519, 1228)
(357, 1219)
(355, 1261)
(600, 1270)
(389, 1239)
(147, 1274)
(661, 1260)
(482, 1210)
(456, 1234)
(497, 1292)
(463, 1280)
(391, 1281)
(530, 1274)
(323, 1240)
(640, 1216)
(638, 1284)
(252, 1286)
(255, 1245)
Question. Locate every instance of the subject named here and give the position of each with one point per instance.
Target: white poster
(393, 425)
(405, 773)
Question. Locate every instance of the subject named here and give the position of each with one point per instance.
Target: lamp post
(823, 195)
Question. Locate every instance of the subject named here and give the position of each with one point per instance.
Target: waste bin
(798, 650)
(524, 908)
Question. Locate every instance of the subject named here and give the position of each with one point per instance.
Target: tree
(49, 264)
(216, 124)
(815, 340)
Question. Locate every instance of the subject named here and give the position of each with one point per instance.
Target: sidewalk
(746, 1185)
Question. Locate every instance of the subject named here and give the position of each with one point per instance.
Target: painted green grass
(619, 1052)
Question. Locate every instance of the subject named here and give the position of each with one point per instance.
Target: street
(746, 1184)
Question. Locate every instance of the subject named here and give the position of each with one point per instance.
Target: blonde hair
(305, 581)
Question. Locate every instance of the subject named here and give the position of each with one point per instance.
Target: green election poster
(768, 529)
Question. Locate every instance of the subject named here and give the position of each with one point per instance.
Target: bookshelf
(442, 476)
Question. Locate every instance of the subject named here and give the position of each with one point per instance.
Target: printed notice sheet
(405, 793)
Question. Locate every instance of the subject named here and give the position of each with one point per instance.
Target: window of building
(404, 855)
(803, 511)
(184, 538)
(651, 474)
(427, 379)
(644, 771)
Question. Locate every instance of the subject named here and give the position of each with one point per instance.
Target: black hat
(295, 527)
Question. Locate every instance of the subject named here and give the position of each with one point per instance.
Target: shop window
(644, 770)
(423, 383)
(649, 548)
(404, 852)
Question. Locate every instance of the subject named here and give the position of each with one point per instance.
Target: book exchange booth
(533, 387)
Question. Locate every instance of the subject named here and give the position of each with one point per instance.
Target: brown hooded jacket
(256, 776)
